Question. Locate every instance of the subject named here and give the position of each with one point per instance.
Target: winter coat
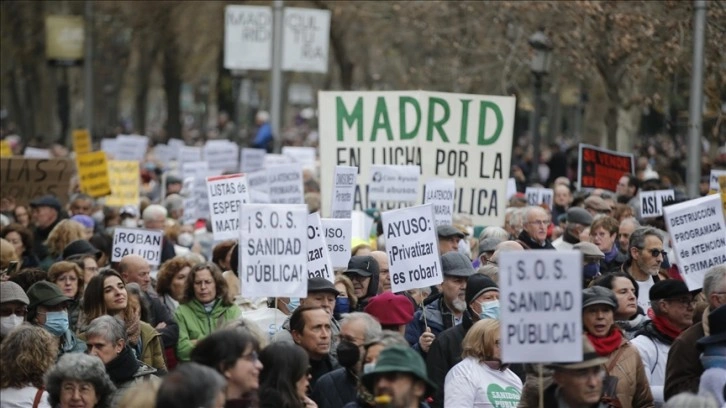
(126, 371)
(529, 243)
(615, 264)
(631, 327)
(372, 291)
(152, 351)
(195, 323)
(653, 349)
(684, 368)
(438, 317)
(551, 399)
(445, 352)
(335, 389)
(319, 368)
(70, 343)
(633, 389)
(160, 314)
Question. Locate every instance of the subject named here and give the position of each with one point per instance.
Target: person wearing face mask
(591, 258)
(13, 307)
(48, 308)
(482, 300)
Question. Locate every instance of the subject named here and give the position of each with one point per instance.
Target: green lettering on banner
(483, 106)
(437, 124)
(464, 120)
(402, 102)
(349, 118)
(381, 120)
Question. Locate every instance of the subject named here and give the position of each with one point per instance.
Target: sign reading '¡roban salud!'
(136, 241)
(464, 137)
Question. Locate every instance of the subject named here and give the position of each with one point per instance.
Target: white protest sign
(511, 187)
(131, 147)
(361, 225)
(698, 237)
(338, 237)
(440, 193)
(285, 184)
(319, 263)
(394, 183)
(259, 188)
(274, 159)
(222, 156)
(651, 202)
(199, 171)
(303, 155)
(273, 260)
(713, 179)
(175, 143)
(109, 146)
(541, 313)
(165, 154)
(137, 241)
(344, 183)
(305, 35)
(412, 248)
(226, 194)
(251, 159)
(189, 154)
(35, 153)
(247, 37)
(537, 196)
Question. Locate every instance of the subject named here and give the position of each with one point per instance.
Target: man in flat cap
(449, 237)
(577, 220)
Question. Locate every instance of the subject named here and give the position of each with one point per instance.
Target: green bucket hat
(399, 359)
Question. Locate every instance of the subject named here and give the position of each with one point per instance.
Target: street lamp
(540, 65)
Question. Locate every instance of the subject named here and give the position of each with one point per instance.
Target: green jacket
(195, 323)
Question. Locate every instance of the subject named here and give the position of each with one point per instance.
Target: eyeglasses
(655, 252)
(684, 300)
(349, 339)
(539, 222)
(21, 311)
(252, 357)
(68, 279)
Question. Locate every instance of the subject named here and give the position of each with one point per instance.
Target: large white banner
(285, 184)
(226, 194)
(541, 306)
(136, 241)
(273, 256)
(698, 237)
(440, 194)
(338, 237)
(319, 264)
(465, 137)
(305, 36)
(247, 37)
(412, 248)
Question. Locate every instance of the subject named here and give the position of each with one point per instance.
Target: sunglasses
(655, 252)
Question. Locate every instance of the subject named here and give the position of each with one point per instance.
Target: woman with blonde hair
(26, 354)
(61, 235)
(346, 301)
(69, 277)
(481, 374)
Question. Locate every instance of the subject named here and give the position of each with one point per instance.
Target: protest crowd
(201, 274)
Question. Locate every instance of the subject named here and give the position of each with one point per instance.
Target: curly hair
(83, 368)
(220, 284)
(168, 271)
(26, 235)
(59, 268)
(63, 234)
(28, 276)
(25, 355)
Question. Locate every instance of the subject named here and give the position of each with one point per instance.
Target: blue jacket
(438, 317)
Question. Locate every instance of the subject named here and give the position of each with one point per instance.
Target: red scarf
(664, 326)
(604, 346)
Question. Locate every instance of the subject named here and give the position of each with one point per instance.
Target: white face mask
(98, 217)
(185, 239)
(7, 324)
(129, 223)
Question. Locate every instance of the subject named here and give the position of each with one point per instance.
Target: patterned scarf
(133, 328)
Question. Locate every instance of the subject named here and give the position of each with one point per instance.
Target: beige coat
(633, 389)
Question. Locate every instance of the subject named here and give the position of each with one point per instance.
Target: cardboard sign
(394, 183)
(137, 241)
(541, 307)
(285, 184)
(226, 194)
(698, 236)
(652, 202)
(251, 159)
(123, 177)
(81, 141)
(464, 137)
(537, 196)
(27, 179)
(273, 260)
(5, 149)
(319, 263)
(305, 156)
(440, 194)
(93, 174)
(189, 154)
(305, 36)
(602, 168)
(344, 184)
(131, 147)
(338, 236)
(412, 248)
(248, 37)
(35, 153)
(713, 179)
(221, 155)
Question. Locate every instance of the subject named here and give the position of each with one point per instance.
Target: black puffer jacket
(335, 389)
(445, 352)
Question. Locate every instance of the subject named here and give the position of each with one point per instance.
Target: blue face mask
(591, 270)
(342, 305)
(56, 323)
(293, 304)
(489, 310)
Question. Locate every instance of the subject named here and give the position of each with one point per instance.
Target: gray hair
(79, 367)
(688, 400)
(637, 238)
(529, 210)
(630, 220)
(494, 232)
(190, 385)
(490, 270)
(713, 278)
(110, 328)
(174, 202)
(505, 246)
(154, 211)
(373, 328)
(388, 339)
(516, 221)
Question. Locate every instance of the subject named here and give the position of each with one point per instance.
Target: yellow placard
(93, 174)
(81, 141)
(5, 150)
(124, 177)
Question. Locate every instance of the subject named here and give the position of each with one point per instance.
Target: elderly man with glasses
(534, 235)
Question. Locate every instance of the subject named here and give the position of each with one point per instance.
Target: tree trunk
(147, 54)
(172, 90)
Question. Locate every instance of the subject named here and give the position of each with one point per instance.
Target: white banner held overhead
(344, 182)
(440, 193)
(338, 237)
(698, 236)
(305, 36)
(189, 154)
(394, 183)
(259, 188)
(305, 156)
(165, 154)
(652, 202)
(251, 159)
(285, 184)
(412, 248)
(537, 196)
(273, 255)
(131, 147)
(136, 241)
(541, 311)
(319, 264)
(226, 194)
(247, 37)
(221, 156)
